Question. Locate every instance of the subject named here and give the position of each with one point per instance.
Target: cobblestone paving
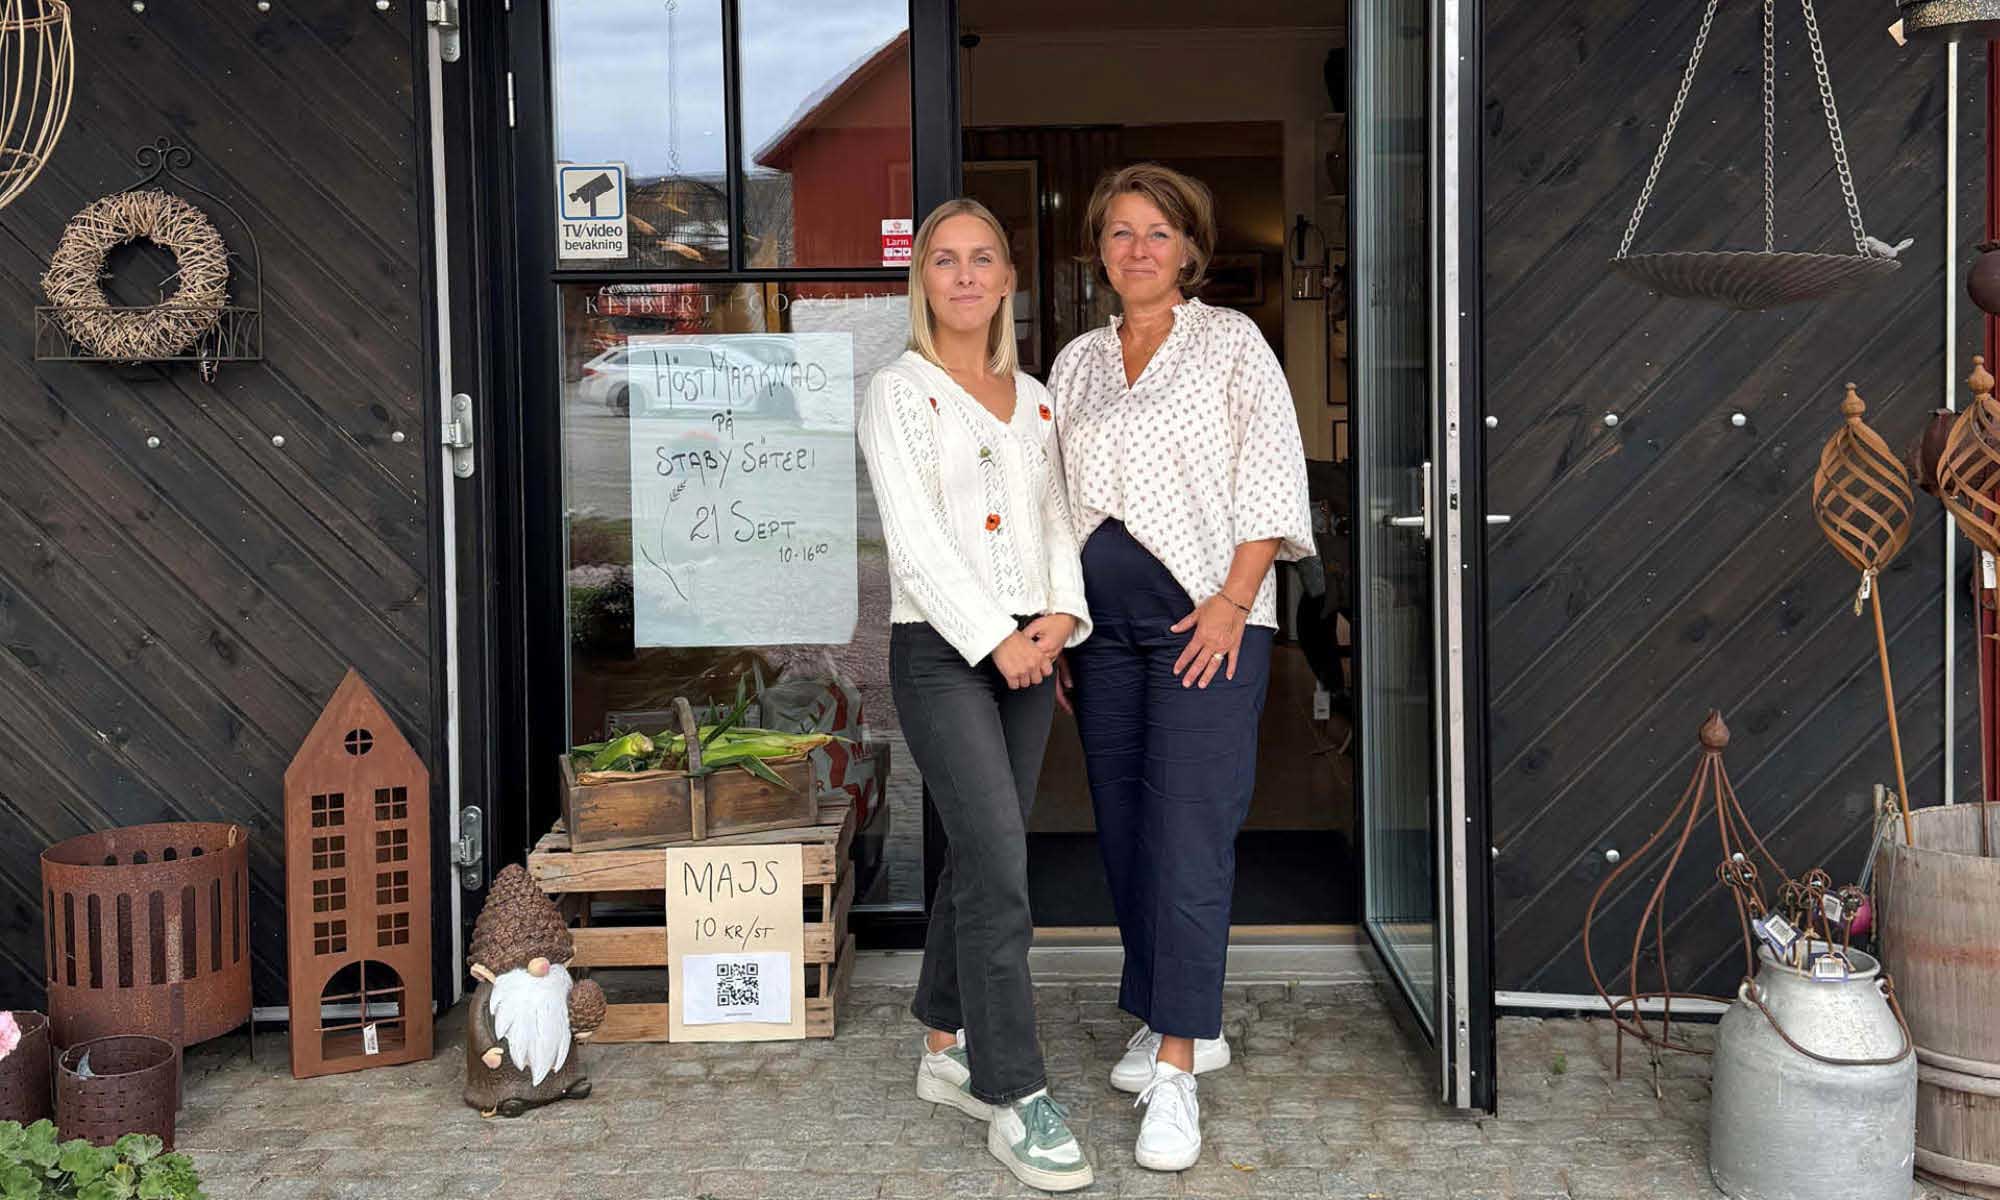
(1323, 1100)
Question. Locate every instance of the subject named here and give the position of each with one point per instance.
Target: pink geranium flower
(10, 1033)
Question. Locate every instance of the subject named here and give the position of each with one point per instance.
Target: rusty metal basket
(24, 1074)
(147, 930)
(133, 1087)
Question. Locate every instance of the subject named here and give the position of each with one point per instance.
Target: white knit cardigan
(972, 508)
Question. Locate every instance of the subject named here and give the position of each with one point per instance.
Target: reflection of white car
(742, 372)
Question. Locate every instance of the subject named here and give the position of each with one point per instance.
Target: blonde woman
(1187, 479)
(985, 591)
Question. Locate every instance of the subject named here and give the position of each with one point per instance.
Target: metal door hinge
(510, 100)
(458, 435)
(444, 15)
(469, 855)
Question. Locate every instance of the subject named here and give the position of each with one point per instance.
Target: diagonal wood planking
(1670, 563)
(173, 619)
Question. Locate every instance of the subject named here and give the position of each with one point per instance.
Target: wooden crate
(584, 884)
(666, 808)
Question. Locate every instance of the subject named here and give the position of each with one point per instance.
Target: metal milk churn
(1814, 1088)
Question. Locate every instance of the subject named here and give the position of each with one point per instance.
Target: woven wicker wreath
(163, 330)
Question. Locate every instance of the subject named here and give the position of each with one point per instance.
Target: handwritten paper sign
(742, 489)
(736, 943)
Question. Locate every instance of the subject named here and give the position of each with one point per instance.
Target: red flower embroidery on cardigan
(992, 522)
(1045, 412)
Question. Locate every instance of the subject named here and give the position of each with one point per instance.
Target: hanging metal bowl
(1753, 279)
(1951, 20)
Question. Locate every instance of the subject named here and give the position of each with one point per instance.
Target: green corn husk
(628, 752)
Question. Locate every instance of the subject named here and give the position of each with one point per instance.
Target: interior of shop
(1052, 95)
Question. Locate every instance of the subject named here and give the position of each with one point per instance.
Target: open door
(1419, 528)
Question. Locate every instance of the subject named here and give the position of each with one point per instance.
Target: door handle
(1499, 519)
(1422, 520)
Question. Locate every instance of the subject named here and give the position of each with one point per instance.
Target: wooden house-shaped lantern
(357, 891)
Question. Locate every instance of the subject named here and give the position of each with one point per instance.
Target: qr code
(737, 984)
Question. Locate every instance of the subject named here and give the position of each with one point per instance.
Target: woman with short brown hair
(1186, 481)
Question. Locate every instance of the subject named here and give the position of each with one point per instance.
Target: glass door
(1408, 353)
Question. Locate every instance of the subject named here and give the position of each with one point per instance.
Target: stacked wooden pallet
(591, 887)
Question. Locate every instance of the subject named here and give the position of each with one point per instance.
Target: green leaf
(83, 1162)
(40, 1146)
(139, 1148)
(11, 1138)
(19, 1182)
(763, 771)
(169, 1177)
(104, 1189)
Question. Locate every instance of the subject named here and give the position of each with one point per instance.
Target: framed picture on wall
(1235, 279)
(1012, 189)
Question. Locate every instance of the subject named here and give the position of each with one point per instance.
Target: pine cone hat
(518, 925)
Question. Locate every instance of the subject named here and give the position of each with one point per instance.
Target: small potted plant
(36, 1165)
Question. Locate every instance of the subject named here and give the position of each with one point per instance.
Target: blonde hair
(1003, 355)
(1184, 200)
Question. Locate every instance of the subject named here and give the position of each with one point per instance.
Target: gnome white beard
(532, 1016)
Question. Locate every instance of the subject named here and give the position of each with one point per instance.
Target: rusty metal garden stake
(1709, 798)
(1968, 476)
(1862, 500)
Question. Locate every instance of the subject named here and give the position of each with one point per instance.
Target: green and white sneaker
(1030, 1137)
(946, 1078)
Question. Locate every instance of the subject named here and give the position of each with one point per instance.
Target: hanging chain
(1770, 125)
(1666, 139)
(1833, 130)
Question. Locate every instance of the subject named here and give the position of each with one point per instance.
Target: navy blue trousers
(1171, 772)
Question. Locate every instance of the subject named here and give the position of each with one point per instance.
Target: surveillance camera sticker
(590, 210)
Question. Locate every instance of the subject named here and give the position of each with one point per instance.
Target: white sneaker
(1170, 1132)
(944, 1077)
(1135, 1070)
(1032, 1137)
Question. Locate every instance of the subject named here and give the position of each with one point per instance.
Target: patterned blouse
(1198, 456)
(972, 507)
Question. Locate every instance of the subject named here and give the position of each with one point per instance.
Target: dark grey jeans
(979, 745)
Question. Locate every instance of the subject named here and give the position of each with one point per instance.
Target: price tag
(1830, 967)
(371, 1042)
(1322, 704)
(1831, 906)
(1777, 933)
(1989, 571)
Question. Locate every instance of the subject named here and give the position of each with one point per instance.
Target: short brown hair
(1186, 201)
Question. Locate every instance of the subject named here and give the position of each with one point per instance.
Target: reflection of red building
(847, 151)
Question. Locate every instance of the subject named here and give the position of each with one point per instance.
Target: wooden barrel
(1940, 920)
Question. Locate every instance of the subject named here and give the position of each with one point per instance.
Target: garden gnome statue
(527, 1016)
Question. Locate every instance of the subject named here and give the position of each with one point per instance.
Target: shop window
(392, 845)
(392, 804)
(639, 83)
(826, 132)
(328, 810)
(684, 578)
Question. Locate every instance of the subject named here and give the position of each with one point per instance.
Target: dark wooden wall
(1670, 563)
(173, 619)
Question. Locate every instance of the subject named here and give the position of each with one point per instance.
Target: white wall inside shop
(1154, 76)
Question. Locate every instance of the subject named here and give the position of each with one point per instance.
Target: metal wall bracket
(458, 435)
(469, 855)
(444, 15)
